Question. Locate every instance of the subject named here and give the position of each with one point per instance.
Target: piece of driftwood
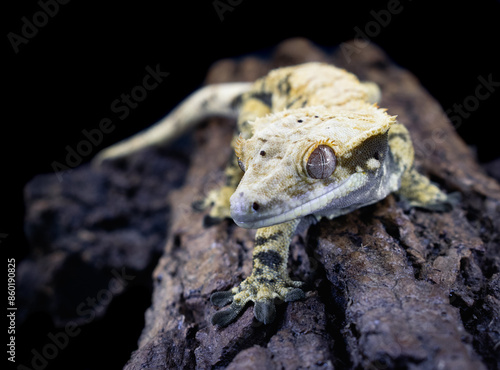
(388, 287)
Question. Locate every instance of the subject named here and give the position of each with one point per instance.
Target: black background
(64, 79)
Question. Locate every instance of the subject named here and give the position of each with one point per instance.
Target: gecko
(311, 143)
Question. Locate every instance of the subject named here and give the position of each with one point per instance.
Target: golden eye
(321, 163)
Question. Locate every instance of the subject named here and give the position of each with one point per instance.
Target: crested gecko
(311, 143)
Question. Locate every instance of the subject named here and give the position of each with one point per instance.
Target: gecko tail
(211, 100)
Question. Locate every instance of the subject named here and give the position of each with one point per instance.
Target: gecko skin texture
(311, 142)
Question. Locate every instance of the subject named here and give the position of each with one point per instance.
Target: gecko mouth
(316, 204)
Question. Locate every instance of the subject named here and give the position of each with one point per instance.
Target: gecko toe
(294, 295)
(211, 221)
(220, 299)
(265, 311)
(225, 317)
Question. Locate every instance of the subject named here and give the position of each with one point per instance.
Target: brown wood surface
(389, 287)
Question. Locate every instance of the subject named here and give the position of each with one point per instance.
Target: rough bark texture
(90, 229)
(389, 287)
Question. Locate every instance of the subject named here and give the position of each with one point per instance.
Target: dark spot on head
(262, 153)
(300, 121)
(316, 116)
(255, 206)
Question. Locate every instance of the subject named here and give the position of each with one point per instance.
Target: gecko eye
(242, 166)
(321, 163)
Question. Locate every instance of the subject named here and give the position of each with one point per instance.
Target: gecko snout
(242, 204)
(244, 208)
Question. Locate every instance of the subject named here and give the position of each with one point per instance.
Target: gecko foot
(260, 290)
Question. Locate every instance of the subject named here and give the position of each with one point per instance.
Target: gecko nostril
(255, 206)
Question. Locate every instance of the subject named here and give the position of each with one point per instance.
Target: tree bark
(389, 287)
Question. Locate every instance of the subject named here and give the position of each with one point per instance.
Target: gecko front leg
(269, 279)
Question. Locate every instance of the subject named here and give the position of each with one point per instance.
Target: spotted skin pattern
(311, 143)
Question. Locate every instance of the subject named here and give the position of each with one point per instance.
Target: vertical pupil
(321, 163)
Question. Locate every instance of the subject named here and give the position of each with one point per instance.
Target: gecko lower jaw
(250, 221)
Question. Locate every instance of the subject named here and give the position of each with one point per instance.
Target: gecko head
(308, 161)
